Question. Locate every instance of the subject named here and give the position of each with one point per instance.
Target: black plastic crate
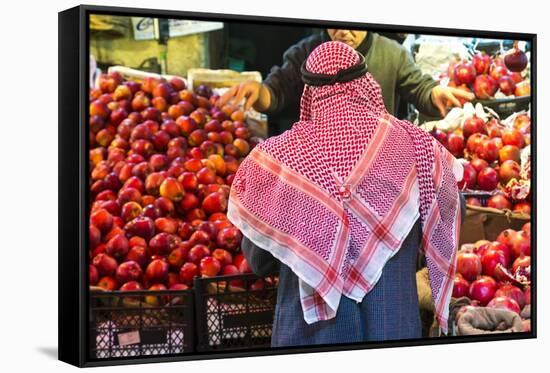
(505, 107)
(130, 324)
(232, 316)
(479, 194)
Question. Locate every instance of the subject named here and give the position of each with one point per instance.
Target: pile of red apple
(492, 153)
(162, 161)
(485, 76)
(496, 274)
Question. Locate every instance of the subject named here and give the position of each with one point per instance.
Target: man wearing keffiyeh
(342, 202)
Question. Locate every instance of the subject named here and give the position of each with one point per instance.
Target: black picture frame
(73, 183)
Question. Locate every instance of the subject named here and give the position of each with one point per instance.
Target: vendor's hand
(254, 93)
(443, 97)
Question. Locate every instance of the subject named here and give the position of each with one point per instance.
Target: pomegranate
(490, 259)
(483, 289)
(504, 303)
(485, 87)
(527, 294)
(488, 150)
(468, 265)
(523, 89)
(515, 60)
(523, 208)
(465, 73)
(469, 178)
(497, 71)
(474, 142)
(455, 144)
(440, 136)
(512, 136)
(505, 236)
(487, 179)
(482, 62)
(479, 164)
(509, 153)
(520, 243)
(500, 202)
(460, 287)
(513, 292)
(507, 85)
(522, 265)
(473, 125)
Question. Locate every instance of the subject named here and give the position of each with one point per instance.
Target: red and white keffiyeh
(334, 197)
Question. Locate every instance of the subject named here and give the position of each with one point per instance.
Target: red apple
(141, 226)
(196, 253)
(157, 270)
(131, 286)
(223, 256)
(117, 246)
(171, 189)
(105, 264)
(177, 257)
(188, 272)
(209, 266)
(108, 283)
(102, 220)
(244, 267)
(163, 243)
(214, 202)
(128, 271)
(93, 275)
(137, 254)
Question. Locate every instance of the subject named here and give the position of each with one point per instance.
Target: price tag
(129, 338)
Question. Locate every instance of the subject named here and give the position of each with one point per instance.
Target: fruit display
(162, 160)
(496, 274)
(490, 77)
(496, 158)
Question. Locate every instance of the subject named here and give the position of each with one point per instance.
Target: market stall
(167, 274)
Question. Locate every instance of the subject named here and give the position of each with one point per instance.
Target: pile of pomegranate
(492, 160)
(488, 76)
(496, 274)
(162, 160)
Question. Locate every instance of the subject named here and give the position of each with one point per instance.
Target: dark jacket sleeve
(260, 261)
(462, 208)
(414, 86)
(285, 81)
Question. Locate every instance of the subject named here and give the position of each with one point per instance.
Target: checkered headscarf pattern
(307, 196)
